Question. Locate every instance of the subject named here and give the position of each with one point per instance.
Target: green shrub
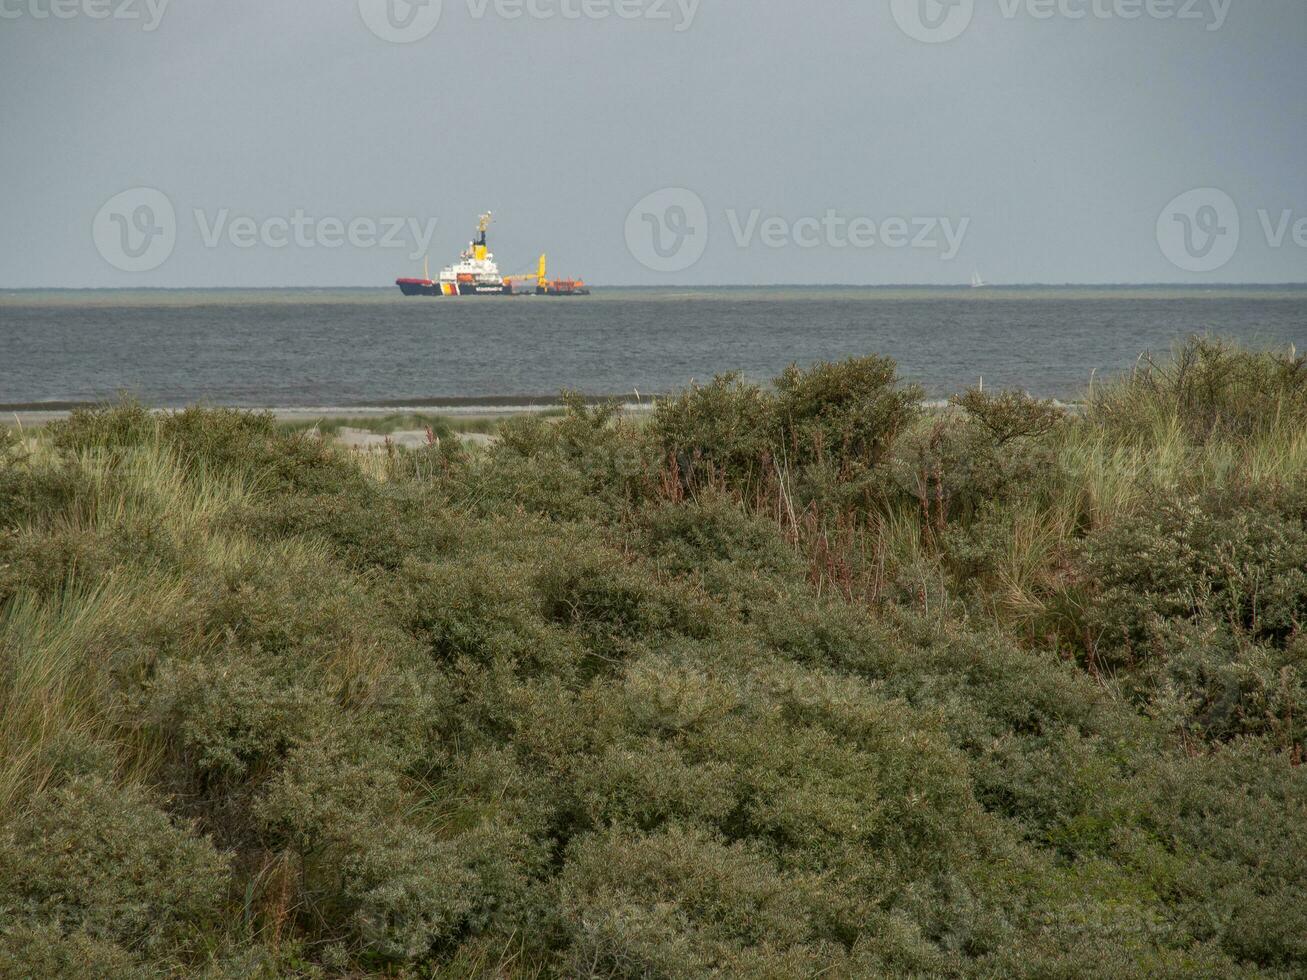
(818, 436)
(46, 950)
(588, 463)
(649, 784)
(1212, 683)
(129, 423)
(678, 903)
(377, 529)
(850, 411)
(1178, 560)
(613, 604)
(713, 541)
(243, 444)
(726, 427)
(1234, 819)
(1010, 415)
(963, 471)
(94, 861)
(475, 608)
(232, 718)
(29, 493)
(45, 563)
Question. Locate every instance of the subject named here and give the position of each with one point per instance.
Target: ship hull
(425, 287)
(418, 287)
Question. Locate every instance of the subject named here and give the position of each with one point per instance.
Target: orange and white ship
(477, 274)
(474, 274)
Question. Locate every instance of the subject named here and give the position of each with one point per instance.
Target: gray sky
(1050, 145)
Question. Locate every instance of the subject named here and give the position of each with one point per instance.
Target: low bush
(851, 411)
(1177, 560)
(1211, 683)
(726, 427)
(104, 866)
(844, 415)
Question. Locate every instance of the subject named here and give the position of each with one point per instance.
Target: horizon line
(1161, 284)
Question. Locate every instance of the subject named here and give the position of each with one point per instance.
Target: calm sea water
(374, 347)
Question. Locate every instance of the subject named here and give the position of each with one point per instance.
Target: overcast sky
(823, 140)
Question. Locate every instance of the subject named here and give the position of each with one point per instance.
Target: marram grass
(788, 681)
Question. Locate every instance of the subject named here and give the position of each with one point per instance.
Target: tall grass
(1212, 419)
(56, 691)
(58, 652)
(153, 483)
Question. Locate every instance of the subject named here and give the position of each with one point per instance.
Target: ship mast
(479, 247)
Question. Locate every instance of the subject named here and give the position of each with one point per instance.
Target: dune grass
(442, 426)
(787, 681)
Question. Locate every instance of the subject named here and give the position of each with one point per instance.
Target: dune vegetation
(792, 680)
(438, 426)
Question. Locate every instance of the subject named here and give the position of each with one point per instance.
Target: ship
(476, 274)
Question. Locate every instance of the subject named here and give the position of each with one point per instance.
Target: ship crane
(550, 287)
(540, 276)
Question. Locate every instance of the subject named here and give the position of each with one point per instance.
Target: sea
(373, 348)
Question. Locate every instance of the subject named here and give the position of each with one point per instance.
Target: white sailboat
(977, 282)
